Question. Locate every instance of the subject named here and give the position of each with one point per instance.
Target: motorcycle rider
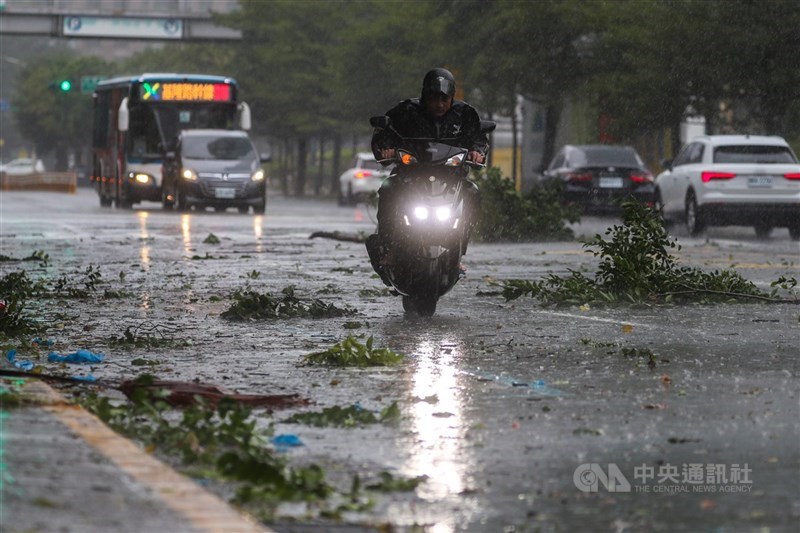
(434, 115)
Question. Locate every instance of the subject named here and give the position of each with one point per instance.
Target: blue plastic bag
(286, 441)
(81, 357)
(11, 355)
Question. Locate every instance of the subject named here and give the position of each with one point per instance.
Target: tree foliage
(320, 69)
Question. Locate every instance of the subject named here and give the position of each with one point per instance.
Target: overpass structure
(131, 27)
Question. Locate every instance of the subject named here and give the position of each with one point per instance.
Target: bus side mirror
(123, 115)
(244, 116)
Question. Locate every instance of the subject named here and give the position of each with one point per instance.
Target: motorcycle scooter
(430, 228)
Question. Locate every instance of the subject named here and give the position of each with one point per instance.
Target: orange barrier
(42, 181)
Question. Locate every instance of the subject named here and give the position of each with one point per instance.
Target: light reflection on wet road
(501, 401)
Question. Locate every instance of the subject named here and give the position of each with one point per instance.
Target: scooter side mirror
(488, 126)
(382, 122)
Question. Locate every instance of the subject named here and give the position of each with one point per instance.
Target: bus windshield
(219, 148)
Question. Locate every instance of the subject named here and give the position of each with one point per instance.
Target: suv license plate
(759, 181)
(225, 192)
(610, 183)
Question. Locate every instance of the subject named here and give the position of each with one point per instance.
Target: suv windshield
(605, 157)
(753, 154)
(224, 148)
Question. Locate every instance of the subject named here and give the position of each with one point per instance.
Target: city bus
(137, 120)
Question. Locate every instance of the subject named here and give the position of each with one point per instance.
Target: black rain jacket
(409, 119)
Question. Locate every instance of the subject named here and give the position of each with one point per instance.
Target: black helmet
(438, 80)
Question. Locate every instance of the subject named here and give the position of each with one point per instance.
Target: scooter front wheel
(423, 307)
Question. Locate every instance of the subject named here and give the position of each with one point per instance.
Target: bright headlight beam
(421, 212)
(442, 213)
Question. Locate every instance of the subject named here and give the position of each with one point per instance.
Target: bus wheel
(105, 201)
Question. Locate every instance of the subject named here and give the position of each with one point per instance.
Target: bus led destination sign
(185, 92)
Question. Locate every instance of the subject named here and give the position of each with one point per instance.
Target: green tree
(56, 120)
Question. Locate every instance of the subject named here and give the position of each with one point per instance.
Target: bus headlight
(189, 174)
(258, 175)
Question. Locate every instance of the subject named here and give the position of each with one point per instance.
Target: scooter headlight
(421, 212)
(443, 213)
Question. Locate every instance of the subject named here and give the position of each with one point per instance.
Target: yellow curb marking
(204, 510)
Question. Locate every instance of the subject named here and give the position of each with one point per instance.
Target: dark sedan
(599, 177)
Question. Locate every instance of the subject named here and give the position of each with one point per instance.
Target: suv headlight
(258, 175)
(189, 174)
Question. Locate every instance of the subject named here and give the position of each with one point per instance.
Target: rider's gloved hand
(475, 156)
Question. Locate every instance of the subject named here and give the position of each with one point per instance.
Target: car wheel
(183, 201)
(794, 232)
(351, 199)
(695, 222)
(261, 208)
(243, 209)
(763, 231)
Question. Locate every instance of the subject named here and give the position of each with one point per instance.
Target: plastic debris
(90, 378)
(285, 441)
(47, 343)
(11, 355)
(81, 357)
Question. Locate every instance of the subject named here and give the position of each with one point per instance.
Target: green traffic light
(65, 85)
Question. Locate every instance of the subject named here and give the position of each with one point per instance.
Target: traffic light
(62, 85)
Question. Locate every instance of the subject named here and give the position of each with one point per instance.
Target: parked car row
(715, 180)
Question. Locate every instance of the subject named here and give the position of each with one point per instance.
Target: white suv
(727, 180)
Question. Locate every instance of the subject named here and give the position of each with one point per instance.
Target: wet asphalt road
(502, 402)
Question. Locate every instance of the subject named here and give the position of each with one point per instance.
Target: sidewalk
(61, 469)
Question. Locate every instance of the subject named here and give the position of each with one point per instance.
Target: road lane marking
(204, 510)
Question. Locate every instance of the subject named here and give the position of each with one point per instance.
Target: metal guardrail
(41, 181)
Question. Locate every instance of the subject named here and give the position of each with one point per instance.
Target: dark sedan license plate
(759, 181)
(226, 192)
(609, 182)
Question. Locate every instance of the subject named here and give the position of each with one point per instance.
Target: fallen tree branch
(732, 295)
(359, 237)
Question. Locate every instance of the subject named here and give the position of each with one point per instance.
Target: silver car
(727, 180)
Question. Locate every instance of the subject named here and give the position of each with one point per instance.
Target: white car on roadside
(732, 180)
(359, 182)
(22, 167)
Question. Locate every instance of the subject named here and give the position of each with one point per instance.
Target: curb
(202, 509)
